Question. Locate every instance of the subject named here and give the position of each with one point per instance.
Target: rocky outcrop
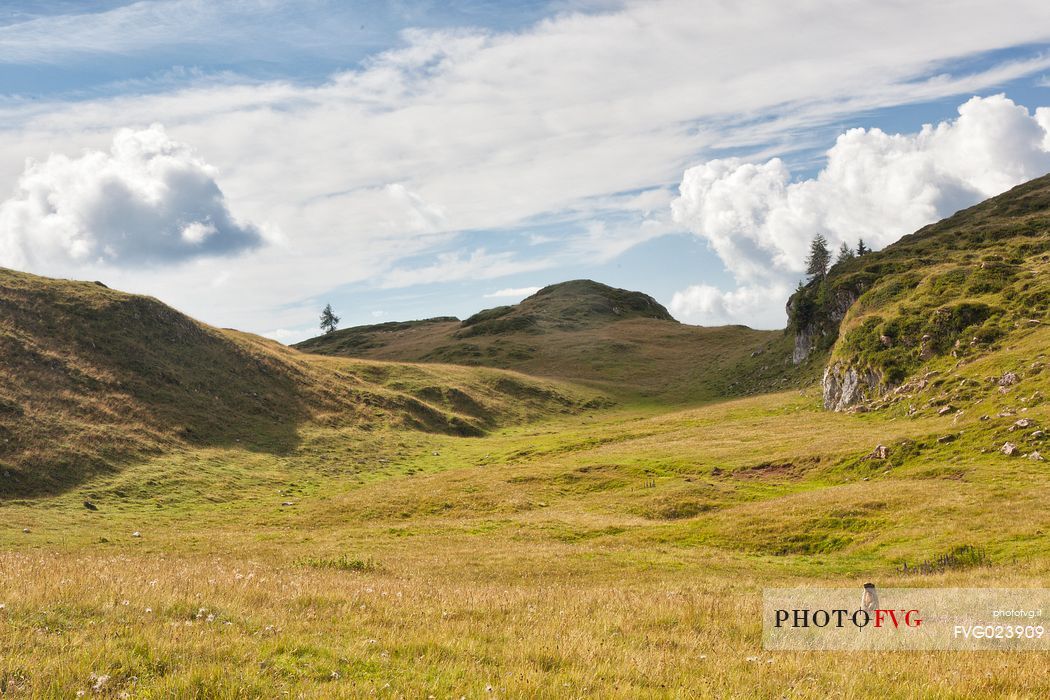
(816, 325)
(844, 386)
(804, 343)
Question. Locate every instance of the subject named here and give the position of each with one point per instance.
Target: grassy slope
(94, 378)
(617, 554)
(571, 331)
(953, 291)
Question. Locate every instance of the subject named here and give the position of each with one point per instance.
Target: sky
(249, 161)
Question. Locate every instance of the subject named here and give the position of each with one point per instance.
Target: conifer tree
(819, 258)
(329, 321)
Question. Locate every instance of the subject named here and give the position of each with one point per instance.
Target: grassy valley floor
(616, 553)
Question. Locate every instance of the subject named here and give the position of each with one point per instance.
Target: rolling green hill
(620, 341)
(945, 296)
(93, 377)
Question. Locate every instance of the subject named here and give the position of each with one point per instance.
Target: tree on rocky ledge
(819, 258)
(329, 320)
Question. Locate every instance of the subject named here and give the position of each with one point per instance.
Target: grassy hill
(620, 341)
(93, 377)
(947, 295)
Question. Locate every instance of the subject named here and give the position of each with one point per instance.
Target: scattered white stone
(880, 452)
(1009, 379)
(1036, 457)
(1009, 449)
(136, 534)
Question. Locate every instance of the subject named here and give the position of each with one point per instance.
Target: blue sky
(249, 161)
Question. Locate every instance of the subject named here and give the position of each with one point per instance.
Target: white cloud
(413, 213)
(289, 336)
(512, 293)
(487, 130)
(149, 200)
(601, 242)
(479, 264)
(875, 186)
(755, 305)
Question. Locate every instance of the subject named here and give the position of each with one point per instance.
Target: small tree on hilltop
(861, 248)
(819, 258)
(329, 320)
(845, 253)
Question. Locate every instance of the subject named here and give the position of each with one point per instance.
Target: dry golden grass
(543, 560)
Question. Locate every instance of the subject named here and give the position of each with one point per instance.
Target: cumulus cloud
(512, 293)
(754, 304)
(149, 200)
(875, 186)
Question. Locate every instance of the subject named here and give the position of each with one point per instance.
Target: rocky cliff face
(816, 320)
(815, 312)
(844, 386)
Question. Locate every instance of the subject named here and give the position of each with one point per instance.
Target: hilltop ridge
(618, 340)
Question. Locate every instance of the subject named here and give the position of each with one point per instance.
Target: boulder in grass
(1009, 379)
(90, 506)
(880, 452)
(1035, 456)
(1009, 449)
